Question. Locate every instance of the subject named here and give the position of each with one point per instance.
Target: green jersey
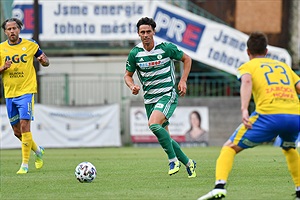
(155, 69)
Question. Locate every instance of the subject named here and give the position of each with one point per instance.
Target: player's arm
(42, 58)
(245, 93)
(187, 63)
(128, 78)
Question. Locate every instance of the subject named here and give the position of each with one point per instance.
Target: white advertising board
(89, 20)
(206, 41)
(62, 127)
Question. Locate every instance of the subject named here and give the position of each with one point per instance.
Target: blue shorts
(20, 108)
(266, 128)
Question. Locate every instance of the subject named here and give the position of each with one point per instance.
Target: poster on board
(187, 125)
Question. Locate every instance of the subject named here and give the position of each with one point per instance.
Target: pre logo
(177, 29)
(25, 13)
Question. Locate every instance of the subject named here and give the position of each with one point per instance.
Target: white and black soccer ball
(85, 172)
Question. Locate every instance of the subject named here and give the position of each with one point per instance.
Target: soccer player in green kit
(154, 65)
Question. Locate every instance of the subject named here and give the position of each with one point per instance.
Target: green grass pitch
(128, 173)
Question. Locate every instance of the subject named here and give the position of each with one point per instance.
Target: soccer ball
(85, 172)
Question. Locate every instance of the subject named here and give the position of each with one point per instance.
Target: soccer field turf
(141, 173)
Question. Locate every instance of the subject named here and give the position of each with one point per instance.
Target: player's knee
(233, 146)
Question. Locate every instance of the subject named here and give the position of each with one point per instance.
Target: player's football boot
(214, 194)
(174, 167)
(191, 169)
(39, 158)
(22, 170)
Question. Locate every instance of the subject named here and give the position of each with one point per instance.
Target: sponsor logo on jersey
(17, 58)
(149, 64)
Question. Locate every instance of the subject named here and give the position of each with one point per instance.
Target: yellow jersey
(273, 86)
(20, 78)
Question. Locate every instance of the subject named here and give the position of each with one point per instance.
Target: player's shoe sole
(214, 194)
(39, 159)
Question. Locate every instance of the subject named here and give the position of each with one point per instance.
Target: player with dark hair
(154, 65)
(19, 80)
(274, 86)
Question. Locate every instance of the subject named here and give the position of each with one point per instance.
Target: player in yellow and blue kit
(274, 86)
(20, 84)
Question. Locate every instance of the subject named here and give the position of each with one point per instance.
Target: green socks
(170, 146)
(164, 139)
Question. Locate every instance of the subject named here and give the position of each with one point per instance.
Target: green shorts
(167, 105)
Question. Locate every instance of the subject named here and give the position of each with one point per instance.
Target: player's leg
(226, 159)
(182, 157)
(242, 138)
(158, 114)
(17, 132)
(225, 162)
(170, 106)
(38, 150)
(14, 118)
(223, 168)
(293, 163)
(164, 139)
(26, 145)
(288, 144)
(24, 106)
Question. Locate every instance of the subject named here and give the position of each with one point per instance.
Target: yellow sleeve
(243, 69)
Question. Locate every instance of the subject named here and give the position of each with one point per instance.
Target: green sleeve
(130, 63)
(174, 52)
